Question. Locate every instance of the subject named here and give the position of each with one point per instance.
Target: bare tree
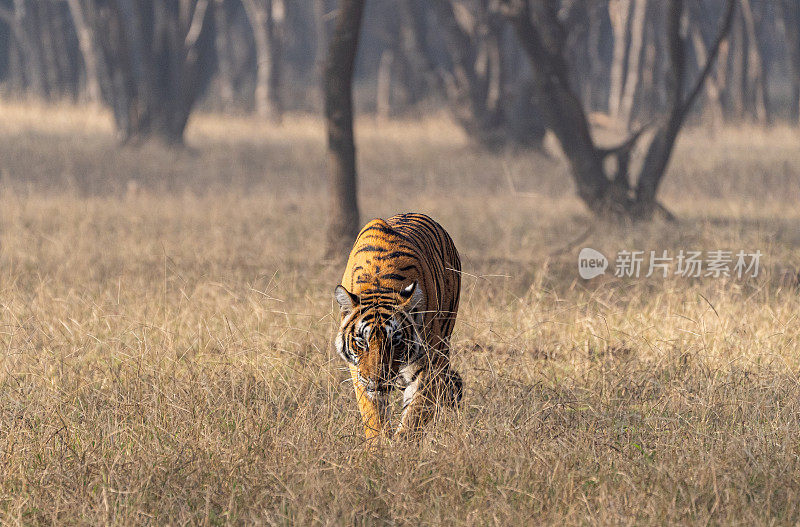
(628, 22)
(634, 72)
(88, 51)
(421, 75)
(158, 57)
(541, 35)
(619, 12)
(223, 47)
(653, 99)
(405, 73)
(713, 107)
(474, 86)
(343, 219)
(266, 19)
(142, 59)
(42, 47)
(321, 36)
(474, 78)
(756, 89)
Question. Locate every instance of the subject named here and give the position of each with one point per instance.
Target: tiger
(398, 301)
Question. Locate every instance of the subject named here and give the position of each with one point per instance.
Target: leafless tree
(42, 49)
(343, 218)
(157, 55)
(471, 71)
(266, 20)
(88, 51)
(714, 85)
(634, 71)
(541, 34)
(474, 87)
(455, 54)
(756, 78)
(223, 46)
(619, 12)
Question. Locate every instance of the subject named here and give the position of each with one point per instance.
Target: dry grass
(167, 322)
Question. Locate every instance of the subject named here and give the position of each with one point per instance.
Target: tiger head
(380, 334)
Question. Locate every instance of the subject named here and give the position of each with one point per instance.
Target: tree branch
(627, 145)
(660, 150)
(722, 34)
(196, 27)
(561, 108)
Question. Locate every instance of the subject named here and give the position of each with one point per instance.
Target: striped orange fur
(399, 298)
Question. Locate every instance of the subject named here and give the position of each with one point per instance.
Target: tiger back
(388, 255)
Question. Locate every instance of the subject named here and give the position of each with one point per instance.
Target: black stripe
(385, 292)
(379, 228)
(373, 248)
(396, 254)
(393, 276)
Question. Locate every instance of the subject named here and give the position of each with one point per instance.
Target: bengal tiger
(398, 299)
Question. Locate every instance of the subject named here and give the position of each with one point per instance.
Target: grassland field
(166, 326)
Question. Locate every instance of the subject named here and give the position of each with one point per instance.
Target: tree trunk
(790, 11)
(714, 104)
(157, 57)
(524, 120)
(619, 14)
(649, 95)
(13, 38)
(46, 35)
(86, 44)
(16, 69)
(721, 79)
(67, 55)
(261, 14)
(560, 106)
(321, 36)
(607, 194)
(737, 81)
(596, 74)
(421, 74)
(660, 149)
(475, 84)
(756, 77)
(343, 216)
(222, 43)
(634, 62)
(32, 54)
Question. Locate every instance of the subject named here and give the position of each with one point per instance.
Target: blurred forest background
(266, 56)
(505, 71)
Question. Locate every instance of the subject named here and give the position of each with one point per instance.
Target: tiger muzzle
(373, 386)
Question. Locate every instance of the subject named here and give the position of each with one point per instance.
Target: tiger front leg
(373, 408)
(424, 396)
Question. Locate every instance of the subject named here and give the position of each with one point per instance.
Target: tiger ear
(412, 296)
(347, 300)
